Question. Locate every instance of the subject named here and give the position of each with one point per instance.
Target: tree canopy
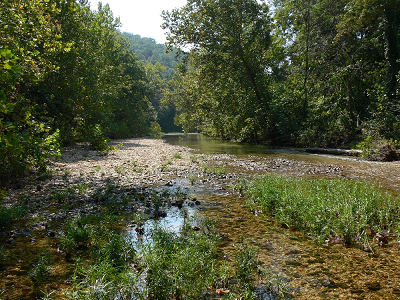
(67, 75)
(309, 72)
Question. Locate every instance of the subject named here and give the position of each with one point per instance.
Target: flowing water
(311, 271)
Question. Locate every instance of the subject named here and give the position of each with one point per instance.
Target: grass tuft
(220, 170)
(11, 214)
(326, 207)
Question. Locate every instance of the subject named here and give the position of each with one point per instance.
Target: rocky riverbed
(145, 162)
(83, 182)
(137, 163)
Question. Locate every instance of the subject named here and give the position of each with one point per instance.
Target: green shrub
(379, 149)
(97, 139)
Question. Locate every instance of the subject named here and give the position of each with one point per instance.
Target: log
(351, 152)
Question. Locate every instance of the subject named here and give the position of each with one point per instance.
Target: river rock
(373, 285)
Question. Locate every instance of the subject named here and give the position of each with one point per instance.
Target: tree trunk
(391, 25)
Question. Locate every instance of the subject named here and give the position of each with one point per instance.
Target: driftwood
(351, 152)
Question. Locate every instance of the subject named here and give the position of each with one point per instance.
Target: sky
(141, 17)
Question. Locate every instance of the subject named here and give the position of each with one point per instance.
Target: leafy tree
(378, 22)
(228, 42)
(149, 51)
(340, 54)
(67, 74)
(159, 70)
(99, 85)
(28, 35)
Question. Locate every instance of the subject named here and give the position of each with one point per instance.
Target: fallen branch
(351, 152)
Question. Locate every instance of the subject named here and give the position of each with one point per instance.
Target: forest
(286, 72)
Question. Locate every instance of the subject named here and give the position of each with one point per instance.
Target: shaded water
(386, 174)
(312, 271)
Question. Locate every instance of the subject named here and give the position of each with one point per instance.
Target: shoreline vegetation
(64, 235)
(298, 73)
(75, 223)
(328, 210)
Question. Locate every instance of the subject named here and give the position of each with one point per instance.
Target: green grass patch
(326, 207)
(8, 215)
(216, 170)
(82, 187)
(178, 155)
(179, 264)
(164, 265)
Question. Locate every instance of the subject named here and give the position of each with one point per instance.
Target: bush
(98, 140)
(379, 149)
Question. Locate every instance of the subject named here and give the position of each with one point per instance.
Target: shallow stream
(312, 271)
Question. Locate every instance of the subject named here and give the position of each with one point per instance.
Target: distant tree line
(305, 72)
(159, 66)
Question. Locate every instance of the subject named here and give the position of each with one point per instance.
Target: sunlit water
(312, 271)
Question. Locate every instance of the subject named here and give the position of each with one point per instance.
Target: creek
(312, 271)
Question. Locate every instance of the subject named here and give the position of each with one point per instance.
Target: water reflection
(386, 174)
(209, 145)
(173, 222)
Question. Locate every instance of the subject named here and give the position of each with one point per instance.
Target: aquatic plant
(102, 280)
(41, 270)
(77, 233)
(179, 265)
(326, 207)
(246, 264)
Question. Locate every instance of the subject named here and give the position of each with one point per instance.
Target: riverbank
(138, 163)
(131, 181)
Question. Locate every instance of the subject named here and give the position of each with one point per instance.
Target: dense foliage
(67, 74)
(311, 72)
